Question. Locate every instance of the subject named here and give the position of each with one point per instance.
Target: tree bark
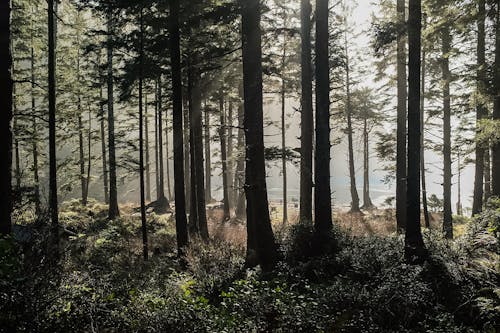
(146, 142)
(223, 149)
(487, 172)
(113, 193)
(481, 111)
(6, 84)
(175, 59)
(103, 147)
(141, 143)
(322, 189)
(167, 158)
(495, 149)
(187, 154)
(36, 178)
(208, 162)
(162, 201)
(447, 175)
(415, 251)
(367, 201)
(261, 246)
(53, 204)
(401, 153)
(230, 150)
(307, 119)
(352, 172)
(427, 222)
(240, 164)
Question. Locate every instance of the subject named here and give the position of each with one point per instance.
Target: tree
(307, 121)
(6, 85)
(495, 165)
(261, 247)
(53, 206)
(415, 251)
(401, 152)
(223, 149)
(481, 111)
(422, 146)
(113, 211)
(175, 58)
(322, 191)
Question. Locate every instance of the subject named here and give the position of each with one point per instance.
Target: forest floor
(361, 283)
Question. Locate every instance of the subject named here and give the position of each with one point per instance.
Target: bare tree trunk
(223, 149)
(459, 185)
(495, 149)
(6, 87)
(401, 177)
(283, 132)
(322, 189)
(415, 251)
(146, 142)
(240, 164)
(16, 142)
(230, 149)
(103, 147)
(162, 201)
(261, 246)
(82, 155)
(487, 173)
(307, 119)
(53, 205)
(422, 145)
(175, 58)
(447, 175)
(113, 192)
(481, 111)
(141, 145)
(157, 160)
(367, 201)
(352, 172)
(36, 178)
(167, 158)
(208, 162)
(187, 161)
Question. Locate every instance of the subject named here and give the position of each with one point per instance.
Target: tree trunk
(141, 145)
(208, 162)
(401, 153)
(6, 84)
(175, 58)
(367, 201)
(307, 125)
(261, 246)
(230, 149)
(103, 147)
(146, 142)
(445, 67)
(283, 132)
(481, 111)
(322, 189)
(113, 193)
(36, 178)
(487, 173)
(495, 149)
(223, 149)
(352, 172)
(157, 160)
(415, 251)
(167, 158)
(53, 205)
(16, 141)
(422, 145)
(194, 226)
(81, 154)
(459, 185)
(162, 201)
(240, 164)
(187, 161)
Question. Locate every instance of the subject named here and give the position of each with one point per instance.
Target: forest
(250, 166)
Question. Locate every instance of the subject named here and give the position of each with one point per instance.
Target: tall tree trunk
(157, 160)
(208, 162)
(102, 120)
(81, 156)
(283, 132)
(36, 178)
(175, 59)
(481, 111)
(194, 226)
(401, 153)
(240, 164)
(415, 251)
(459, 185)
(261, 246)
(307, 119)
(322, 189)
(487, 172)
(113, 193)
(495, 149)
(230, 150)
(16, 141)
(367, 201)
(223, 149)
(167, 158)
(141, 144)
(352, 170)
(445, 67)
(53, 205)
(162, 201)
(187, 160)
(146, 142)
(89, 153)
(422, 145)
(6, 84)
